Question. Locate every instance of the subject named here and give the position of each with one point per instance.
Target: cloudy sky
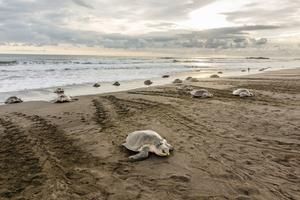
(143, 25)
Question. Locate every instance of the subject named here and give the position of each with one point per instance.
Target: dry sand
(225, 147)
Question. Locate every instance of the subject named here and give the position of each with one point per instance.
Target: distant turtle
(194, 80)
(96, 85)
(214, 76)
(201, 93)
(62, 98)
(220, 72)
(116, 83)
(177, 81)
(146, 141)
(188, 78)
(165, 76)
(12, 100)
(148, 82)
(59, 91)
(242, 92)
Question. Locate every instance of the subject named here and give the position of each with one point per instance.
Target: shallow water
(33, 77)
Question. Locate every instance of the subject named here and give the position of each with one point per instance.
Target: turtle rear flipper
(143, 154)
(127, 146)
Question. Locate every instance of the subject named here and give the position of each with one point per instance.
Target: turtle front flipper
(143, 154)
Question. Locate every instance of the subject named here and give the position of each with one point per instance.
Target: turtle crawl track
(170, 113)
(125, 112)
(199, 133)
(60, 168)
(47, 159)
(19, 166)
(218, 95)
(101, 115)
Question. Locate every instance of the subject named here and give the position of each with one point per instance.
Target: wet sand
(225, 147)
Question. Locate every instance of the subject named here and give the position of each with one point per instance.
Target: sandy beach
(225, 147)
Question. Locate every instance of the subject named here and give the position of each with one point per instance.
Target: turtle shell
(137, 139)
(240, 90)
(177, 81)
(148, 82)
(59, 91)
(199, 93)
(62, 98)
(12, 100)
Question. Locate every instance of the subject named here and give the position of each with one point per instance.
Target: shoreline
(46, 94)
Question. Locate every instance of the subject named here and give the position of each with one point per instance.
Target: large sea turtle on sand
(146, 141)
(201, 93)
(242, 92)
(13, 100)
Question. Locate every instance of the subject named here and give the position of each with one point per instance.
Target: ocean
(33, 77)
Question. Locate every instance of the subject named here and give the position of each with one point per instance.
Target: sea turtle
(177, 81)
(242, 92)
(188, 78)
(59, 91)
(201, 93)
(165, 76)
(146, 141)
(96, 85)
(193, 80)
(62, 98)
(214, 76)
(12, 100)
(148, 82)
(116, 83)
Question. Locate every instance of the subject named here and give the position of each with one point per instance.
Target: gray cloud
(231, 37)
(83, 3)
(45, 22)
(285, 13)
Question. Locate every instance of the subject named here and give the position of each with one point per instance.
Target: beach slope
(225, 147)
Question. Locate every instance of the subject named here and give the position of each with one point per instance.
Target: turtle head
(208, 94)
(163, 148)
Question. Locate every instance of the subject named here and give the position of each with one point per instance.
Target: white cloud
(148, 23)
